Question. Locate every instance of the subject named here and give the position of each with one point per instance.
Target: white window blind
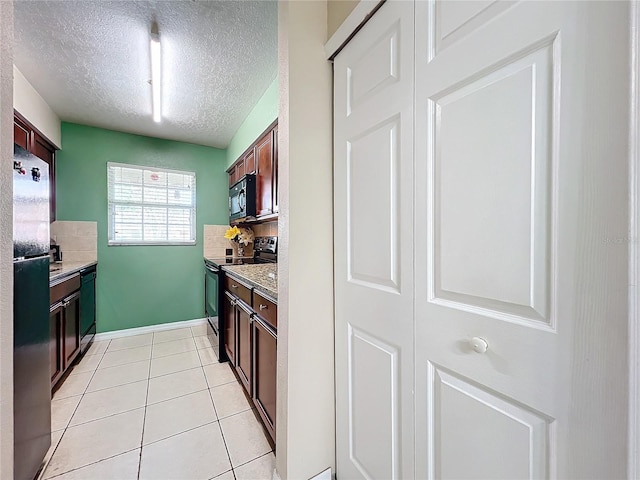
(151, 206)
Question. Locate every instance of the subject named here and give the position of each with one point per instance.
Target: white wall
(28, 102)
(306, 404)
(6, 243)
(337, 12)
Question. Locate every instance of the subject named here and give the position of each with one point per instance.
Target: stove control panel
(266, 244)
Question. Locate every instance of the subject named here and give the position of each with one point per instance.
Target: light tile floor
(155, 406)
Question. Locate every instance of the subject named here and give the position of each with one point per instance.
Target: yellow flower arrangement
(243, 236)
(232, 233)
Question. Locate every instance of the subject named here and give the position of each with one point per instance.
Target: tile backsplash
(78, 240)
(215, 244)
(269, 229)
(214, 241)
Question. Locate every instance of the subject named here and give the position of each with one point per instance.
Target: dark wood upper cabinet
(28, 137)
(264, 183)
(240, 170)
(275, 169)
(21, 134)
(261, 159)
(250, 162)
(232, 175)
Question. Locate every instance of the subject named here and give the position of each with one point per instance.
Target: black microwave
(242, 198)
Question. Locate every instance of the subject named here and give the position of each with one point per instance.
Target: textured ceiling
(90, 62)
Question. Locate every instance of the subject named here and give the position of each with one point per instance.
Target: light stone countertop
(66, 269)
(262, 276)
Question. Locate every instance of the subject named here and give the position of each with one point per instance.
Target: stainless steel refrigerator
(31, 367)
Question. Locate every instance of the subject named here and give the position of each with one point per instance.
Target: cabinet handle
(479, 345)
(263, 307)
(234, 286)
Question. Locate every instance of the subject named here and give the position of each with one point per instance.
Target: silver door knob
(479, 345)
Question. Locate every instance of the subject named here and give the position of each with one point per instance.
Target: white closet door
(373, 135)
(521, 128)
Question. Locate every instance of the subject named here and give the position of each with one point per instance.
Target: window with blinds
(151, 206)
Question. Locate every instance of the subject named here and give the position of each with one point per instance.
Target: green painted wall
(140, 285)
(262, 115)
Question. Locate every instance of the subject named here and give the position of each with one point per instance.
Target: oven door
(212, 289)
(211, 295)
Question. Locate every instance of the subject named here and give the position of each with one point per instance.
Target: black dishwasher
(87, 307)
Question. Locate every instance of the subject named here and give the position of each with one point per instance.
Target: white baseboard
(129, 332)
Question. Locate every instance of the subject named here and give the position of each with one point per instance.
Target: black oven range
(265, 251)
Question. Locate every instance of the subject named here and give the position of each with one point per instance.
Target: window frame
(111, 242)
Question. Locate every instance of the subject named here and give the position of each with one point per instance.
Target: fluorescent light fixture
(156, 73)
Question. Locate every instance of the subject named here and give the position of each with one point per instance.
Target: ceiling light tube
(155, 77)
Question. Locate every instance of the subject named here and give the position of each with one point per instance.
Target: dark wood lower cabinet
(55, 341)
(71, 327)
(243, 363)
(64, 325)
(251, 344)
(229, 310)
(264, 374)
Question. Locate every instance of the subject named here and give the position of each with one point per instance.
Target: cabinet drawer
(266, 309)
(65, 288)
(239, 289)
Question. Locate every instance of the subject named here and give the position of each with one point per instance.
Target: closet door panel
(373, 255)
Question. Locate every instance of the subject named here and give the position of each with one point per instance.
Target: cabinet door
(264, 385)
(240, 169)
(28, 138)
(275, 169)
(20, 134)
(71, 328)
(55, 341)
(44, 150)
(229, 312)
(243, 359)
(250, 162)
(232, 176)
(264, 192)
(87, 302)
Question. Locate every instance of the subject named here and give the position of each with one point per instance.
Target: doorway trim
(633, 245)
(360, 15)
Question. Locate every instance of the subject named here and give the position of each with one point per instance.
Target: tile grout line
(143, 360)
(179, 433)
(224, 441)
(146, 402)
(92, 463)
(218, 476)
(254, 459)
(153, 343)
(106, 416)
(64, 430)
(95, 371)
